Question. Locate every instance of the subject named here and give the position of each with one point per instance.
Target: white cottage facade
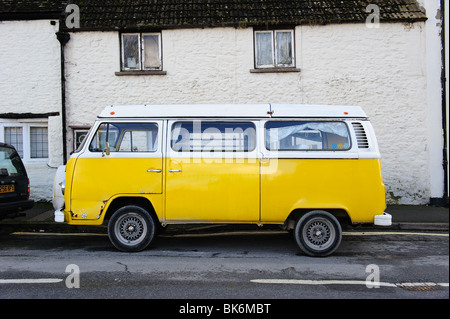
(390, 69)
(30, 104)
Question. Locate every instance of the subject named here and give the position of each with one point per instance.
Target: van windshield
(126, 137)
(10, 163)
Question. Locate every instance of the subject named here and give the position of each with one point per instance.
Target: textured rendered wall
(30, 76)
(30, 83)
(383, 70)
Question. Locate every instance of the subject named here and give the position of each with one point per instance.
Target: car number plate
(6, 188)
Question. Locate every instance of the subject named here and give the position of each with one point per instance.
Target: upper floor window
(274, 49)
(141, 51)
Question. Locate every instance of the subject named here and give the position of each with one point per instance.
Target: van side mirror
(106, 150)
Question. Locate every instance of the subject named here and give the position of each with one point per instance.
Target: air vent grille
(361, 136)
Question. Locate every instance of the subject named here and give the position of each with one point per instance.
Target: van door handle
(154, 171)
(264, 160)
(174, 170)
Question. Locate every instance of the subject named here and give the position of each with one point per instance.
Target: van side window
(126, 137)
(307, 136)
(199, 136)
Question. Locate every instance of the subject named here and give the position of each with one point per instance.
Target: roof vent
(361, 136)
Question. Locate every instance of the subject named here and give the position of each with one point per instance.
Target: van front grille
(361, 136)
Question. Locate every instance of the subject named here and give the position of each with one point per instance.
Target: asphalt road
(264, 265)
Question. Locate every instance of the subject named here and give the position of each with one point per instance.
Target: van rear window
(307, 136)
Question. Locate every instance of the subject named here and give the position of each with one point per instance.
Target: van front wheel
(318, 233)
(131, 228)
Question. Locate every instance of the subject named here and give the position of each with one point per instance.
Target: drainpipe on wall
(444, 100)
(63, 37)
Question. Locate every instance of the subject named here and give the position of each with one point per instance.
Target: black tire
(131, 228)
(318, 233)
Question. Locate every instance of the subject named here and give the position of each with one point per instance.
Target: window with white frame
(29, 139)
(141, 51)
(274, 49)
(38, 142)
(14, 136)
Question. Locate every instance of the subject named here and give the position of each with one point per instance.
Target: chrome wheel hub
(319, 233)
(131, 228)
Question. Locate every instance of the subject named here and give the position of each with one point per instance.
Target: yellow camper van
(309, 168)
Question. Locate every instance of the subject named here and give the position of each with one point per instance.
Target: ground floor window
(14, 136)
(29, 139)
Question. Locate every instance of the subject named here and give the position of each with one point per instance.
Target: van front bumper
(383, 220)
(59, 216)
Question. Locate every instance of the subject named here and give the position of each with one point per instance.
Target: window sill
(147, 72)
(274, 70)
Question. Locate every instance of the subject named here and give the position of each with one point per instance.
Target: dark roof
(31, 9)
(135, 14)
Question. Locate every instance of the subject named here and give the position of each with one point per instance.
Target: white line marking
(416, 284)
(321, 282)
(391, 233)
(58, 234)
(346, 282)
(31, 281)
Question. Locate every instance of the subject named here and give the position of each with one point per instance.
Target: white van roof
(231, 110)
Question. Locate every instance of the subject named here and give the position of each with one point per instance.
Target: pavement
(404, 217)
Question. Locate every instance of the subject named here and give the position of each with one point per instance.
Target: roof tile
(126, 14)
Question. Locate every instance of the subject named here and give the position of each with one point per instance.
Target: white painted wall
(434, 96)
(383, 70)
(30, 83)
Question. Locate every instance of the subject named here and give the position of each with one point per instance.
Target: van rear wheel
(318, 233)
(131, 228)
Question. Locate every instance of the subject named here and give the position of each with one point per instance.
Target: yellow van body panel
(100, 180)
(353, 185)
(226, 190)
(212, 190)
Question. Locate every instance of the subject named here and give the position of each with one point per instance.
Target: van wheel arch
(120, 202)
(340, 214)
